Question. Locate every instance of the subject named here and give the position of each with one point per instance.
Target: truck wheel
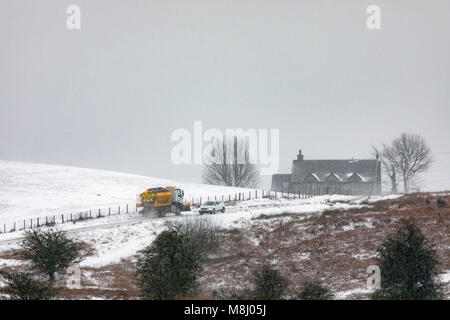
(177, 211)
(223, 209)
(161, 213)
(214, 211)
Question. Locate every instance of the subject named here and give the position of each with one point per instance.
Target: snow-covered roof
(366, 170)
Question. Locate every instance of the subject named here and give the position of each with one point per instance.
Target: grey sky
(109, 95)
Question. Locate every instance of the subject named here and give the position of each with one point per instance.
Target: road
(139, 219)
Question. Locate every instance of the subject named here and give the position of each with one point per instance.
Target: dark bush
(26, 286)
(50, 250)
(170, 266)
(268, 284)
(441, 203)
(408, 266)
(314, 291)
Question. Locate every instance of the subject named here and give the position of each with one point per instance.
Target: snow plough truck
(161, 200)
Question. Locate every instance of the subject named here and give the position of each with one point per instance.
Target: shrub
(170, 266)
(202, 235)
(408, 266)
(314, 291)
(26, 286)
(268, 284)
(50, 250)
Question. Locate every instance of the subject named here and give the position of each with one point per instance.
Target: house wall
(362, 187)
(281, 182)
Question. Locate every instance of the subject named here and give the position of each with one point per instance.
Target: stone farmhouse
(362, 176)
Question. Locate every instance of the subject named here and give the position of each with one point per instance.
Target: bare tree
(386, 157)
(411, 156)
(229, 164)
(407, 156)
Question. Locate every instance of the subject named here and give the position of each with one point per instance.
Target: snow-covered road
(135, 218)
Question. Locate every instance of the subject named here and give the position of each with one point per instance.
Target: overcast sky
(108, 96)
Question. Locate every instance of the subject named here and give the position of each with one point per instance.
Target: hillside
(29, 190)
(330, 238)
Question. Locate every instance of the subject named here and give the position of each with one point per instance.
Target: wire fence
(73, 217)
(195, 202)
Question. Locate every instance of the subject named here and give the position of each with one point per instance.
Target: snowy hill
(29, 190)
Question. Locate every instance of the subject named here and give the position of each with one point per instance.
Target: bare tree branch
(225, 168)
(408, 155)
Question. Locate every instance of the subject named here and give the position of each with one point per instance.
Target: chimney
(300, 156)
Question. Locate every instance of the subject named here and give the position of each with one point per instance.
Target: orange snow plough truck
(162, 200)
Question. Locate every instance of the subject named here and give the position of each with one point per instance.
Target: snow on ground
(123, 241)
(116, 237)
(29, 190)
(342, 295)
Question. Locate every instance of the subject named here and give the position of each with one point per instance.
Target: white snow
(342, 295)
(29, 190)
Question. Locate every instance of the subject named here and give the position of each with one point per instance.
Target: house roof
(342, 169)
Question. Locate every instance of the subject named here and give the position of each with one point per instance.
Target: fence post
(127, 207)
(14, 226)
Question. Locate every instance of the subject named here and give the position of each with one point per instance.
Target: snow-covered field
(35, 190)
(121, 236)
(29, 190)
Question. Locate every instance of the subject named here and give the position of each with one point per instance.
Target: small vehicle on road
(212, 207)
